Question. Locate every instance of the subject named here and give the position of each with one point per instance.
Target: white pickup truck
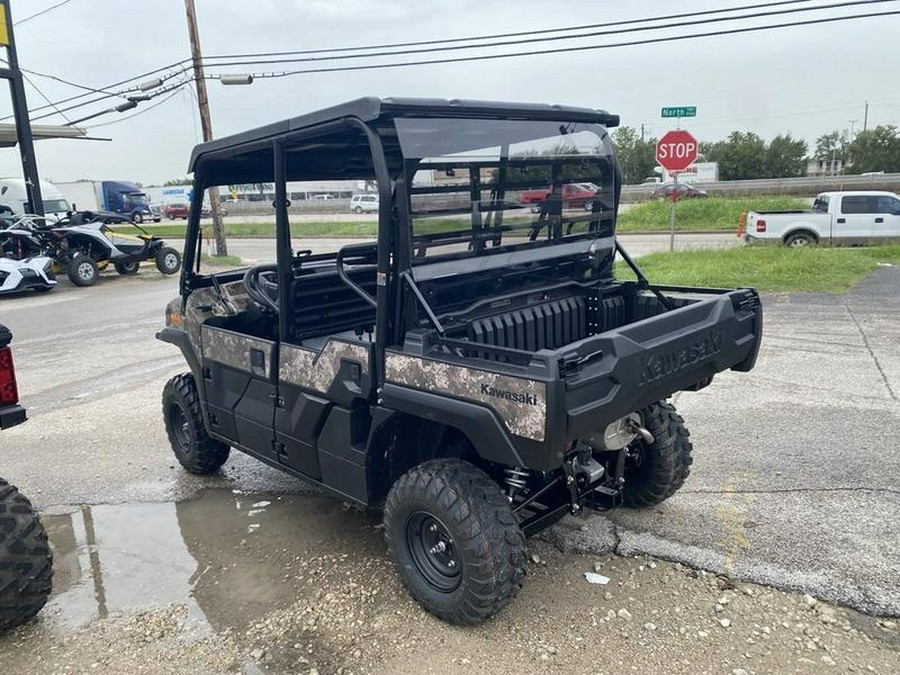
(837, 218)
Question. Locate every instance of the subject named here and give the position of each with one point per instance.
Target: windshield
(55, 205)
(136, 199)
(479, 186)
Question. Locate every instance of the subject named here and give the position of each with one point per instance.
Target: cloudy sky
(806, 80)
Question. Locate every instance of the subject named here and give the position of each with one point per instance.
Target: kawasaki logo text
(516, 397)
(657, 366)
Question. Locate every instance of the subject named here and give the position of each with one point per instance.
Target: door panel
(310, 382)
(856, 221)
(240, 387)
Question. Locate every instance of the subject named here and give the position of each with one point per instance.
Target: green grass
(221, 260)
(711, 213)
(767, 268)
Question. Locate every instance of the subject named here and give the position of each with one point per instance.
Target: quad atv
(84, 243)
(23, 264)
(26, 562)
(477, 372)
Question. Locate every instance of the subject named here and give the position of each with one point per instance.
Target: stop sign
(676, 150)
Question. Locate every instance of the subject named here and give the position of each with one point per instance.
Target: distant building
(825, 167)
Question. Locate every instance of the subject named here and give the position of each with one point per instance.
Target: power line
(44, 96)
(180, 65)
(555, 38)
(562, 50)
(519, 54)
(495, 36)
(41, 13)
(139, 112)
(69, 82)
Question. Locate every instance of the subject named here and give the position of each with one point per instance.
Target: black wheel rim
(634, 456)
(180, 429)
(433, 552)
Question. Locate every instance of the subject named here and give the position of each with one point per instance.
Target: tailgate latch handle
(573, 360)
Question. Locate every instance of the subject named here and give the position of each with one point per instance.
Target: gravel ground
(346, 613)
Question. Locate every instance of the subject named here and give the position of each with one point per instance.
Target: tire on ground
(661, 467)
(454, 498)
(168, 260)
(82, 270)
(798, 239)
(195, 450)
(127, 269)
(26, 561)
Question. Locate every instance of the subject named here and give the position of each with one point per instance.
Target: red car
(181, 210)
(685, 191)
(574, 195)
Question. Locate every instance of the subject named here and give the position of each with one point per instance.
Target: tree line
(745, 155)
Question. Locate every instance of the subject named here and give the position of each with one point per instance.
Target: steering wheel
(254, 282)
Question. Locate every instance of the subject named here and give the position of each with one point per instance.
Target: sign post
(675, 152)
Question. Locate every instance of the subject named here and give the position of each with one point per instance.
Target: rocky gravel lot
(344, 613)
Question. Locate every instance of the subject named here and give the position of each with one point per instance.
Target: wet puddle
(229, 557)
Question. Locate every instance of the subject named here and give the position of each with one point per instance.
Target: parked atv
(23, 264)
(26, 561)
(85, 244)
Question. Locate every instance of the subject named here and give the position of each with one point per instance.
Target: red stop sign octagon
(676, 150)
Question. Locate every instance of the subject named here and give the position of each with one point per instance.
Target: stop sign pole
(675, 152)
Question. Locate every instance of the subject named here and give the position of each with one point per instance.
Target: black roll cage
(389, 251)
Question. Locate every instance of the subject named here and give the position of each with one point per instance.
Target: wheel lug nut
(433, 527)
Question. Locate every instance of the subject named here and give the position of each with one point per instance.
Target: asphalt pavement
(795, 479)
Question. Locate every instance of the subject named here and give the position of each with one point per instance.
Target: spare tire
(26, 562)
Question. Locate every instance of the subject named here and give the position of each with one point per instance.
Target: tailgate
(617, 372)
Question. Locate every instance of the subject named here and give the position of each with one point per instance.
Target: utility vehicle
(477, 371)
(26, 561)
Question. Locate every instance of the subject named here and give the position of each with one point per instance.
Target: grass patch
(767, 268)
(267, 230)
(711, 213)
(221, 260)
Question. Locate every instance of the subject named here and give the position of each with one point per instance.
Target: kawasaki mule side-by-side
(477, 371)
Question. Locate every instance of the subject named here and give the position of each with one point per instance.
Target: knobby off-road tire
(661, 467)
(26, 562)
(127, 269)
(82, 270)
(453, 506)
(168, 260)
(193, 447)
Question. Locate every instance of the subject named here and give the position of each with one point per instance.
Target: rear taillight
(9, 394)
(760, 225)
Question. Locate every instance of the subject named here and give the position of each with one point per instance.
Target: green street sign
(681, 111)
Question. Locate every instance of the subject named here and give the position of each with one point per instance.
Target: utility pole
(203, 103)
(866, 118)
(642, 132)
(20, 111)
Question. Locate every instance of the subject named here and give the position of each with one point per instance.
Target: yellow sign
(4, 35)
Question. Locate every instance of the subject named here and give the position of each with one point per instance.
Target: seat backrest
(324, 305)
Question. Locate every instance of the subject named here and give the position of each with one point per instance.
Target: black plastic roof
(371, 109)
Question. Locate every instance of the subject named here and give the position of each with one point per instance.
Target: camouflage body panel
(205, 303)
(233, 349)
(520, 403)
(318, 370)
